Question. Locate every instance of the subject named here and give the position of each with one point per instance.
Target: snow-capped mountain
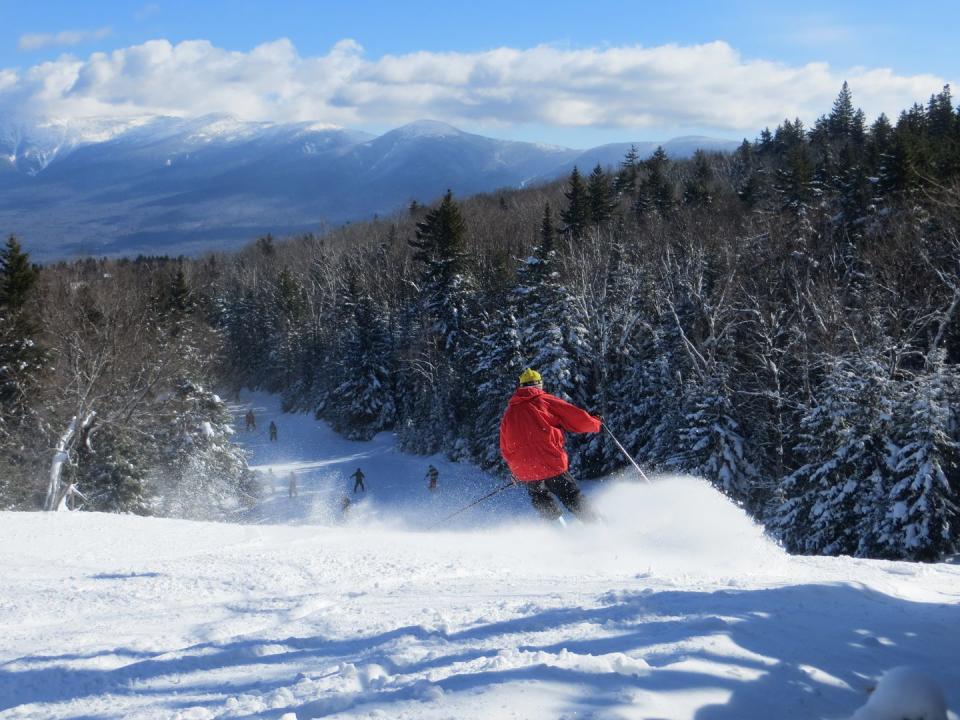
(172, 185)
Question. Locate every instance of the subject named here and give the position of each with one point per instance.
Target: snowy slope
(677, 607)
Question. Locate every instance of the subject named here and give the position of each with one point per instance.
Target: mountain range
(182, 186)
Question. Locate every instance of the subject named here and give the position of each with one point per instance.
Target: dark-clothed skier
(532, 443)
(432, 475)
(273, 431)
(251, 420)
(358, 477)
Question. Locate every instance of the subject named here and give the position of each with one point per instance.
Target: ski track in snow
(676, 607)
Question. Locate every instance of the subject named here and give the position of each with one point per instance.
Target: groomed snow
(676, 607)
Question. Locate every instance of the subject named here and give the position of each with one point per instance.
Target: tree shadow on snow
(790, 652)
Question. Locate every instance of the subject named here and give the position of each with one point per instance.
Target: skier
(358, 477)
(532, 443)
(271, 481)
(293, 485)
(431, 476)
(251, 420)
(273, 431)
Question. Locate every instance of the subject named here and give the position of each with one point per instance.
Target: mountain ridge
(185, 185)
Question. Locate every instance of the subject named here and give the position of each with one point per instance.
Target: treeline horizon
(781, 320)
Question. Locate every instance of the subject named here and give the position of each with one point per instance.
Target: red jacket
(531, 433)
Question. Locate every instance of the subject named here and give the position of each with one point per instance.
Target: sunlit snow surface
(676, 606)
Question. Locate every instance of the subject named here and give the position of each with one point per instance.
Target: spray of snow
(904, 693)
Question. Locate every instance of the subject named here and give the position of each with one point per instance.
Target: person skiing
(532, 444)
(251, 420)
(271, 481)
(293, 485)
(432, 475)
(273, 431)
(358, 477)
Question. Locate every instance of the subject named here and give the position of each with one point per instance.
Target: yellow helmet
(530, 377)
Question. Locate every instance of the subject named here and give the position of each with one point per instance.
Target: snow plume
(709, 85)
(904, 692)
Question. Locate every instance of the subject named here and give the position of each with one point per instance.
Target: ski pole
(625, 453)
(475, 502)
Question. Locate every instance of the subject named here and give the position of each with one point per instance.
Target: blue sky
(578, 94)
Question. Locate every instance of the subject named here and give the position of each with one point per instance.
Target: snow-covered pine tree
(546, 320)
(710, 437)
(287, 313)
(433, 376)
(847, 449)
(20, 357)
(200, 473)
(21, 362)
(495, 369)
(922, 513)
(709, 440)
(113, 472)
(363, 404)
(614, 315)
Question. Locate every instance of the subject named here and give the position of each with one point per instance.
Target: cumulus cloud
(706, 86)
(37, 41)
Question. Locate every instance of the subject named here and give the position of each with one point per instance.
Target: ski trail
(322, 463)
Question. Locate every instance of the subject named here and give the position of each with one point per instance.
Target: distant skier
(271, 481)
(273, 431)
(358, 477)
(251, 420)
(432, 475)
(293, 485)
(532, 443)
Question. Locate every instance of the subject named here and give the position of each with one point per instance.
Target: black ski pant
(566, 490)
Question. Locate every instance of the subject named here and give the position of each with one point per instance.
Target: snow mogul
(532, 443)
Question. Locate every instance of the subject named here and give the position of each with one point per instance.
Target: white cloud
(37, 41)
(708, 86)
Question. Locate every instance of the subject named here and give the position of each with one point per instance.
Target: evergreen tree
(577, 215)
(494, 372)
(21, 364)
(923, 506)
(600, 198)
(17, 276)
(845, 122)
(441, 251)
(712, 440)
(364, 403)
(21, 359)
(656, 192)
(285, 315)
(543, 314)
(696, 191)
(625, 183)
(114, 478)
(797, 189)
(847, 448)
(200, 474)
(436, 405)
